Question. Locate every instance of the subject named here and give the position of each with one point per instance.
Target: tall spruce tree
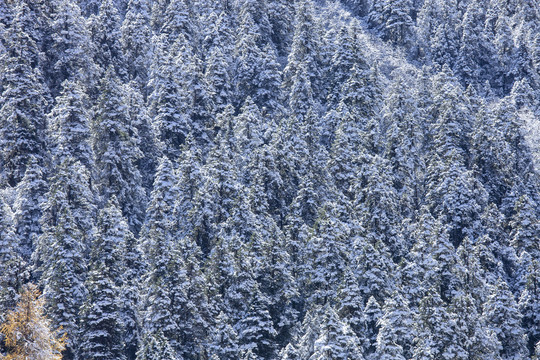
(115, 142)
(70, 54)
(68, 228)
(27, 207)
(101, 326)
(23, 100)
(69, 126)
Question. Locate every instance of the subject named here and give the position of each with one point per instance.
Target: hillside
(273, 179)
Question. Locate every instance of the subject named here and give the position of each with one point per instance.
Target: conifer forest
(269, 179)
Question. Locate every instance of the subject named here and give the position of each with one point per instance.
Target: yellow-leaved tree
(27, 331)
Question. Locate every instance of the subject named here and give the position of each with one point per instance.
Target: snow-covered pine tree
(70, 54)
(171, 117)
(136, 40)
(223, 341)
(403, 145)
(100, 321)
(68, 229)
(27, 208)
(346, 54)
(12, 266)
(502, 315)
(217, 78)
(132, 272)
(156, 347)
(393, 19)
(256, 331)
(326, 256)
(469, 331)
(106, 36)
(305, 49)
(350, 303)
(396, 333)
(525, 227)
(177, 20)
(335, 340)
(115, 142)
(139, 115)
(436, 336)
(69, 126)
(376, 205)
(529, 303)
(475, 51)
(23, 100)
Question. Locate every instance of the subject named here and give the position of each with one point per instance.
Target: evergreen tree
(281, 17)
(405, 138)
(177, 21)
(475, 51)
(438, 22)
(136, 40)
(69, 126)
(392, 18)
(133, 270)
(525, 227)
(358, 7)
(27, 208)
(189, 181)
(223, 340)
(89, 7)
(335, 340)
(23, 100)
(268, 95)
(196, 100)
(248, 132)
(106, 36)
(344, 162)
(372, 316)
(469, 273)
(529, 303)
(156, 347)
(394, 340)
(256, 331)
(436, 337)
(101, 327)
(139, 114)
(217, 78)
(59, 256)
(473, 340)
(351, 304)
(326, 256)
(274, 275)
(173, 279)
(376, 205)
(214, 199)
(490, 153)
(460, 199)
(12, 265)
(375, 269)
(71, 51)
(345, 56)
(171, 120)
(305, 54)
(502, 315)
(248, 53)
(115, 142)
(504, 46)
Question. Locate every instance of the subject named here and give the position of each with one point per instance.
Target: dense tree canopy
(271, 179)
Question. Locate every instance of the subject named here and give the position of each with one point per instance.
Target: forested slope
(274, 179)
